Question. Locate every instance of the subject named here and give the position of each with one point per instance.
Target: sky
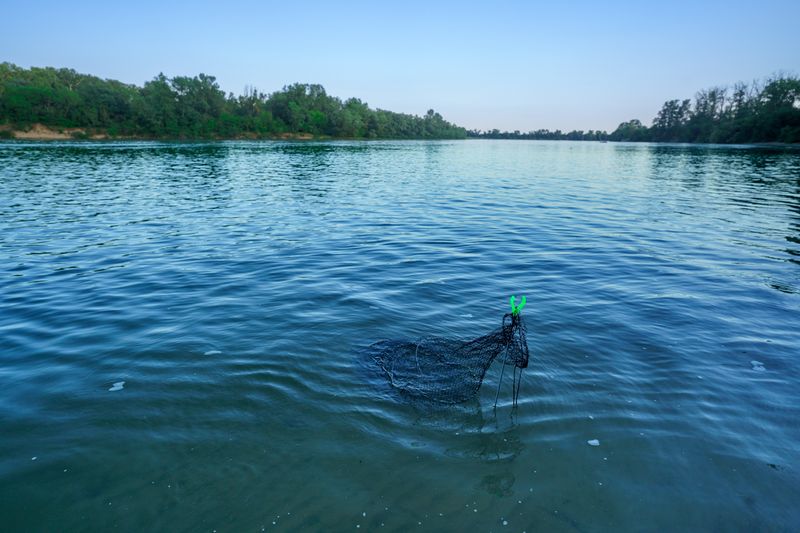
(505, 64)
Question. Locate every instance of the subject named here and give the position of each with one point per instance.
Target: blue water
(182, 329)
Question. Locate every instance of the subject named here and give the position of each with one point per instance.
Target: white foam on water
(212, 352)
(758, 366)
(34, 458)
(430, 281)
(593, 442)
(468, 315)
(119, 385)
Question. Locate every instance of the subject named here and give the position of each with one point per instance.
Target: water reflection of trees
(752, 191)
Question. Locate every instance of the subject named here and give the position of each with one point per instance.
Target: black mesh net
(451, 371)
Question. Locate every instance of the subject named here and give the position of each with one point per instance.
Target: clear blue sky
(509, 65)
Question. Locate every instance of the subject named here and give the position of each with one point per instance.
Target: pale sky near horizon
(505, 64)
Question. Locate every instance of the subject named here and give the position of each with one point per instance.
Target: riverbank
(40, 132)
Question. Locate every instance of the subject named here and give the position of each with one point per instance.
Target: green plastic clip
(515, 309)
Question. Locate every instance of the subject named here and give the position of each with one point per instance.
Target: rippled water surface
(182, 330)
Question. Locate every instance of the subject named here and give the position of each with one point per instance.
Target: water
(181, 326)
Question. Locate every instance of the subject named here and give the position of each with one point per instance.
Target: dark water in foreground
(230, 287)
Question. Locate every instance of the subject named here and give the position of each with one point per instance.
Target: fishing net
(451, 371)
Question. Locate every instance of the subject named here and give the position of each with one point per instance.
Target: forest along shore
(61, 104)
(182, 107)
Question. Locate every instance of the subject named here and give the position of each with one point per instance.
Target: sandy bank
(40, 132)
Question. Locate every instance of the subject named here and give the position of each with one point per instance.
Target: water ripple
(183, 332)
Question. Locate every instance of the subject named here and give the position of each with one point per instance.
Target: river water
(182, 333)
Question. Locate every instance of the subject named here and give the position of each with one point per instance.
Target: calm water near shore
(182, 330)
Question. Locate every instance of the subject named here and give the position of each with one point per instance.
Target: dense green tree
(633, 130)
(195, 107)
(761, 112)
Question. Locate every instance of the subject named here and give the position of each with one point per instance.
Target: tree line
(760, 112)
(541, 135)
(195, 107)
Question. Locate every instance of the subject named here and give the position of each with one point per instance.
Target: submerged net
(450, 371)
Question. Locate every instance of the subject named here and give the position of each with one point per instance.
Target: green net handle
(516, 309)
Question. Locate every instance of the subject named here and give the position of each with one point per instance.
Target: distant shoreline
(49, 104)
(40, 132)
